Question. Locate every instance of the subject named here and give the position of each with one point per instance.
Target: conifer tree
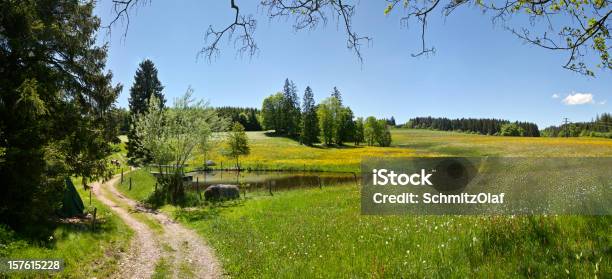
(336, 94)
(56, 108)
(310, 123)
(146, 84)
(290, 116)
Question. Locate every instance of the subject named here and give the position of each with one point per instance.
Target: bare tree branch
(572, 39)
(244, 42)
(309, 13)
(590, 28)
(575, 40)
(122, 8)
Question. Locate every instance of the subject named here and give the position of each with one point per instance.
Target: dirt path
(183, 253)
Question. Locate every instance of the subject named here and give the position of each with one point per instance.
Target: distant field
(282, 153)
(461, 144)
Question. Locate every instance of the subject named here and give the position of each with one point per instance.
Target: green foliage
(359, 136)
(146, 84)
(336, 94)
(86, 253)
(484, 126)
(511, 130)
(335, 120)
(55, 113)
(290, 112)
(271, 111)
(247, 117)
(370, 130)
(310, 123)
(601, 126)
(327, 112)
(384, 138)
(237, 144)
(585, 35)
(281, 111)
(172, 135)
(376, 132)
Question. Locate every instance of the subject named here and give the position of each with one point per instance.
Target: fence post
(121, 175)
(93, 221)
(90, 189)
(320, 185)
(355, 176)
(270, 187)
(130, 184)
(198, 187)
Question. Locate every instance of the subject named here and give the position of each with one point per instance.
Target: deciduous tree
(172, 135)
(237, 144)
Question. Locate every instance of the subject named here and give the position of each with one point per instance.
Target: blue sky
(478, 70)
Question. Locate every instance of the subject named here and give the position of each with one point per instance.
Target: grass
(461, 144)
(119, 154)
(86, 253)
(163, 269)
(278, 153)
(321, 234)
(143, 184)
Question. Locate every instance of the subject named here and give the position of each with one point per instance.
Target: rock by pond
(220, 192)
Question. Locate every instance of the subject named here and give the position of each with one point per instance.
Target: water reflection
(270, 180)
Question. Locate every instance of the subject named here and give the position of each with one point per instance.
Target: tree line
(601, 126)
(247, 117)
(484, 126)
(330, 122)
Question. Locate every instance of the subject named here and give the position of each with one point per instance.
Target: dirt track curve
(183, 252)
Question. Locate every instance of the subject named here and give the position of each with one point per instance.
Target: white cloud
(555, 96)
(603, 102)
(578, 99)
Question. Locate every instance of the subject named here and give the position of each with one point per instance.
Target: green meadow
(321, 232)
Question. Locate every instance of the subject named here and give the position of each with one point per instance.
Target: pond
(274, 180)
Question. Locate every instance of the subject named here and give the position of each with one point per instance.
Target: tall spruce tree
(310, 123)
(146, 84)
(290, 116)
(336, 94)
(56, 106)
